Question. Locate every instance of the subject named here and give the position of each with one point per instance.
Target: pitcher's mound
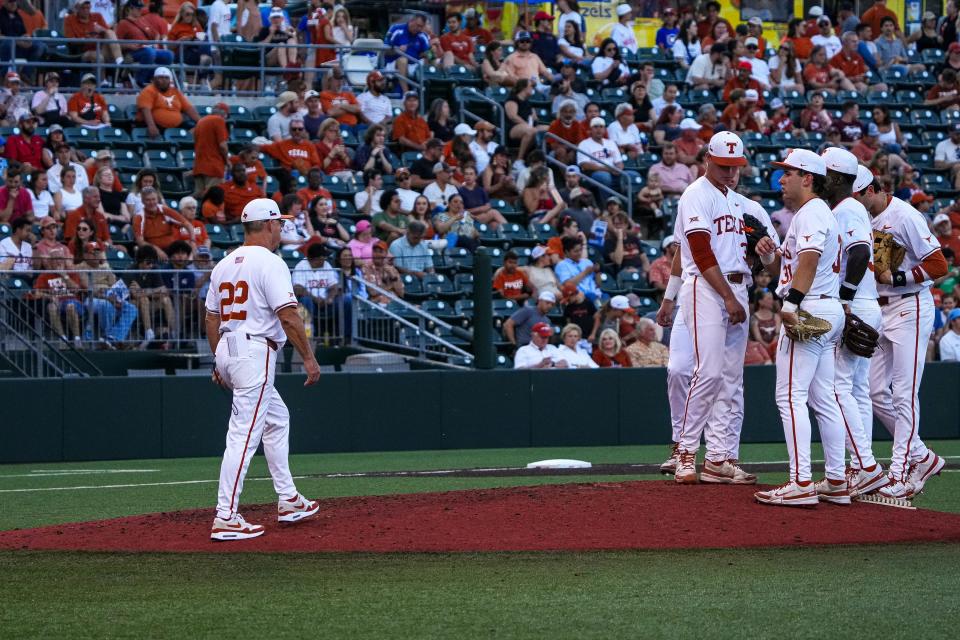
(574, 517)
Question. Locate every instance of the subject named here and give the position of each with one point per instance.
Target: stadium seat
(179, 137)
(291, 257)
(126, 159)
(503, 309)
(119, 235)
(118, 258)
(220, 235)
(413, 288)
(490, 237)
(610, 286)
(518, 235)
(440, 286)
(464, 282)
(159, 159)
(459, 257)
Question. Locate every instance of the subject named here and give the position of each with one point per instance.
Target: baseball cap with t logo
(726, 149)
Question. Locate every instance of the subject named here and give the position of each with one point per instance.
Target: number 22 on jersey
(232, 296)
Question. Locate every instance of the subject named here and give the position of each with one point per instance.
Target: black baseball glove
(755, 231)
(859, 337)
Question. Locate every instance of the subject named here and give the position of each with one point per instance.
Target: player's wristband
(795, 297)
(847, 292)
(673, 288)
(788, 307)
(899, 278)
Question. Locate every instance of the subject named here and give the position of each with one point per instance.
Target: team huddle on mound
(854, 271)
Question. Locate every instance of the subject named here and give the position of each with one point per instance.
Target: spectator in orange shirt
(819, 76)
(136, 27)
(89, 210)
(187, 28)
(314, 189)
(211, 207)
(743, 81)
(802, 46)
(84, 23)
(334, 158)
(161, 106)
(875, 14)
(296, 154)
(410, 129)
(87, 108)
(705, 27)
(158, 225)
(210, 145)
(457, 46)
(249, 157)
(236, 194)
(851, 63)
(337, 102)
(566, 128)
(738, 115)
(510, 281)
(33, 18)
(188, 209)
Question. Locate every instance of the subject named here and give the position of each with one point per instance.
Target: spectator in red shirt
(237, 193)
(87, 107)
(946, 93)
(510, 281)
(334, 158)
(474, 30)
(92, 211)
(15, 200)
(743, 81)
(135, 28)
(339, 103)
(457, 46)
(818, 75)
(85, 23)
(566, 128)
(26, 147)
(659, 274)
(705, 27)
(410, 129)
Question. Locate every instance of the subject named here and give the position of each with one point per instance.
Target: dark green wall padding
(126, 418)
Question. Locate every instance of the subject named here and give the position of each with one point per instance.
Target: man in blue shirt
(668, 33)
(577, 270)
(409, 43)
(545, 44)
(410, 255)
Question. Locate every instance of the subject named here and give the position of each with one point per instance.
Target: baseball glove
(887, 254)
(859, 337)
(810, 327)
(755, 231)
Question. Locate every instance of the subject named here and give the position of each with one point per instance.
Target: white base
(559, 463)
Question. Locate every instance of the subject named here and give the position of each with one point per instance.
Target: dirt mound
(574, 517)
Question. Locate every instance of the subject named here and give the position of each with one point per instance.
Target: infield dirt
(571, 517)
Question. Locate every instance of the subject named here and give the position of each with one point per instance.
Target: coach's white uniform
(247, 289)
(907, 313)
(718, 345)
(805, 370)
(852, 374)
(729, 407)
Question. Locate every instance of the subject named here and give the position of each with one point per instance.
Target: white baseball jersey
(909, 229)
(247, 289)
(853, 223)
(703, 207)
(813, 228)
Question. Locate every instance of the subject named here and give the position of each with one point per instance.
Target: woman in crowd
(890, 136)
(298, 231)
(277, 34)
(374, 152)
(814, 116)
(354, 286)
(608, 67)
(49, 104)
(569, 11)
(249, 20)
(498, 181)
(687, 45)
(55, 138)
(477, 201)
(457, 153)
(786, 73)
(569, 228)
(571, 44)
(927, 36)
(456, 225)
(719, 34)
(187, 28)
(818, 75)
(541, 201)
(608, 316)
(362, 243)
(111, 201)
(609, 352)
(85, 233)
(521, 123)
(43, 201)
(344, 32)
(493, 75)
(801, 45)
(145, 178)
(421, 212)
(570, 350)
(765, 322)
(324, 222)
(335, 159)
(439, 120)
(667, 128)
(69, 197)
(642, 106)
(624, 132)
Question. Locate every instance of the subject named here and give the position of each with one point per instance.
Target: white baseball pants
(805, 374)
(247, 365)
(718, 350)
(679, 371)
(895, 374)
(852, 383)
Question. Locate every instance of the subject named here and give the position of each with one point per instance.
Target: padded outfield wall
(169, 417)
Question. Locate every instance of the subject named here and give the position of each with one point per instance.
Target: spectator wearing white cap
(809, 27)
(689, 143)
(162, 106)
(625, 133)
(659, 274)
(538, 353)
(622, 32)
(942, 227)
(825, 37)
(540, 273)
(278, 32)
(599, 157)
(135, 28)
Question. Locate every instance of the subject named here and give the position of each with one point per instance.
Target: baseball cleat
(922, 471)
(832, 491)
(895, 488)
(669, 467)
(862, 482)
(725, 472)
(686, 467)
(739, 475)
(236, 528)
(296, 509)
(791, 494)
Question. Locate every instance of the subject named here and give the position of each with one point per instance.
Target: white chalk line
(44, 473)
(375, 474)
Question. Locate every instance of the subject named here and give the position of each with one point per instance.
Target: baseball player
(251, 311)
(805, 370)
(713, 301)
(681, 363)
(858, 295)
(907, 308)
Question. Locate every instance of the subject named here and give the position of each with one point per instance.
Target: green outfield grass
(753, 593)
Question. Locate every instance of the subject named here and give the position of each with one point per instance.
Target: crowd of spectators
(418, 182)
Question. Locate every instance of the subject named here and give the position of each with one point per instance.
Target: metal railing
(620, 173)
(106, 70)
(464, 95)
